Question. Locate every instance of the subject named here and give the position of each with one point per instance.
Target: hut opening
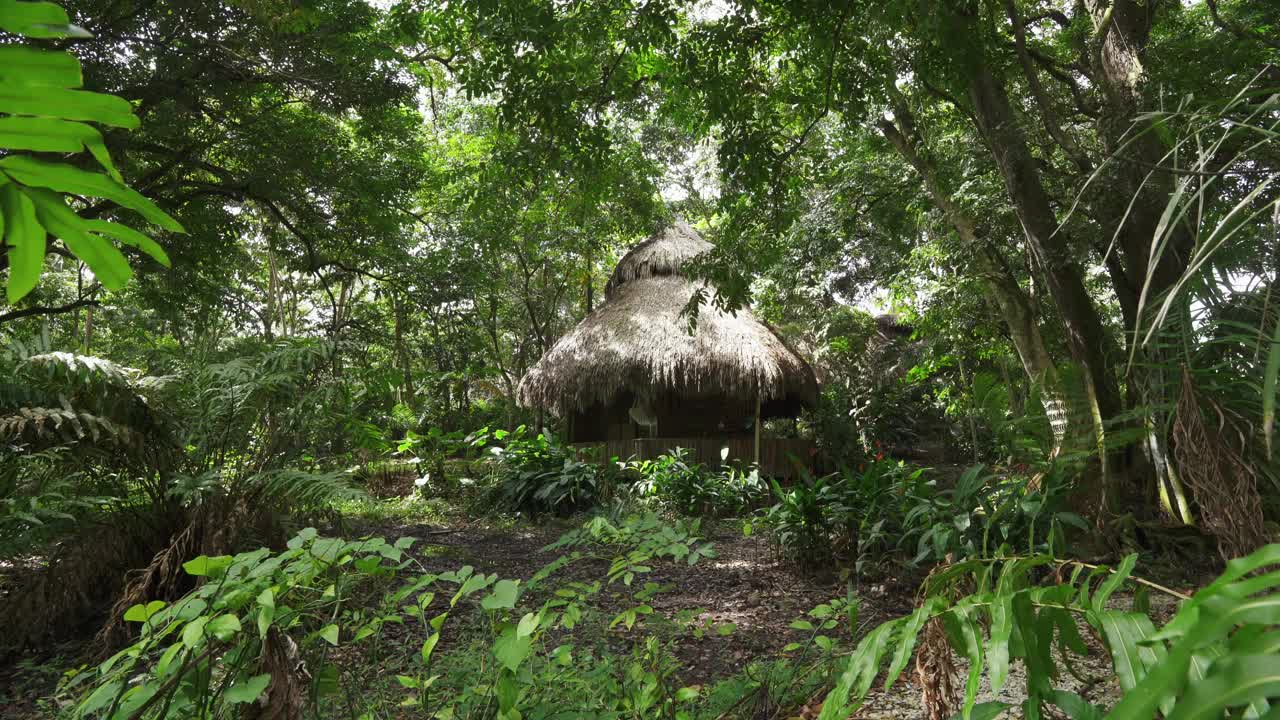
(632, 380)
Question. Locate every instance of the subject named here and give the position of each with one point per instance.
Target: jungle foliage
(271, 264)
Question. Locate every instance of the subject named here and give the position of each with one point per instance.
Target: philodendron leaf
(511, 649)
(142, 613)
(207, 566)
(330, 634)
(246, 690)
(503, 595)
(223, 627)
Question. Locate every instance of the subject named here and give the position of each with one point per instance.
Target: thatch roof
(638, 341)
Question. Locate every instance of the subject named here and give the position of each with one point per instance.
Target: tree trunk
(1133, 203)
(1085, 335)
(402, 352)
(1002, 287)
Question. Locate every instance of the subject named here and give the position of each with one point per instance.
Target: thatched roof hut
(632, 367)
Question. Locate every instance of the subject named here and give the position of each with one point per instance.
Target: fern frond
(52, 426)
(299, 488)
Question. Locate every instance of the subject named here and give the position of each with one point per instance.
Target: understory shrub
(1218, 655)
(112, 470)
(537, 473)
(272, 635)
(675, 483)
(292, 634)
(891, 510)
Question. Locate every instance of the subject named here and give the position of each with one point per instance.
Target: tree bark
(1085, 334)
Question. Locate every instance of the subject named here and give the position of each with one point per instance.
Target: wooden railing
(775, 453)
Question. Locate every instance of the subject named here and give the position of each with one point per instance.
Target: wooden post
(757, 453)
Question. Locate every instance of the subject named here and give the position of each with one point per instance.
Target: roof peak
(663, 253)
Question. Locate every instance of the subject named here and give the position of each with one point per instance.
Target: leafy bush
(538, 474)
(264, 630)
(242, 633)
(429, 451)
(801, 521)
(214, 456)
(675, 483)
(983, 511)
(643, 538)
(890, 510)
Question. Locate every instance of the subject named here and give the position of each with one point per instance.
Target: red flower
(879, 456)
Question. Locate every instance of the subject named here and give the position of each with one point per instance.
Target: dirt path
(745, 584)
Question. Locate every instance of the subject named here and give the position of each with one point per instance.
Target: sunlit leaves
(38, 93)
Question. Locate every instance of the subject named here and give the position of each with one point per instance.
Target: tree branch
(1047, 114)
(1238, 30)
(43, 310)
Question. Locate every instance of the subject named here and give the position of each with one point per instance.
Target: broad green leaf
(511, 649)
(864, 665)
(1233, 681)
(166, 660)
(1135, 658)
(193, 633)
(964, 625)
(67, 179)
(330, 634)
(207, 566)
(998, 646)
(133, 238)
(429, 646)
(67, 105)
(503, 595)
(907, 640)
(223, 627)
(23, 65)
(106, 262)
(33, 19)
(104, 694)
(527, 625)
(1113, 582)
(1034, 650)
(50, 135)
(142, 613)
(266, 614)
(26, 240)
(247, 690)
